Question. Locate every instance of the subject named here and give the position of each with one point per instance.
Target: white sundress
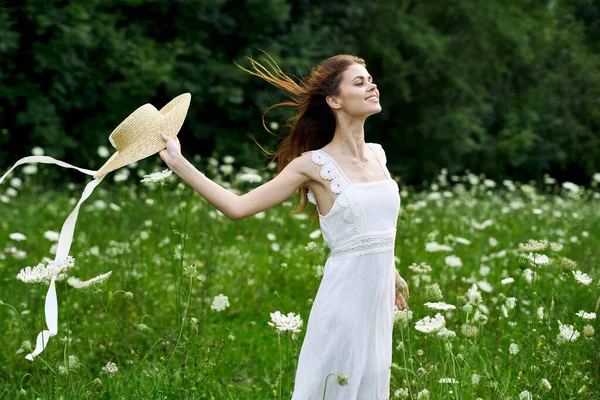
(349, 329)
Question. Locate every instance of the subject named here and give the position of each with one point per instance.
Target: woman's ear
(333, 102)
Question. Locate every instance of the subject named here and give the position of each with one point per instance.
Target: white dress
(349, 329)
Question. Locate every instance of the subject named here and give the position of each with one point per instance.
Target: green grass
(154, 321)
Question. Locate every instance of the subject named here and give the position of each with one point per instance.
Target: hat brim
(150, 142)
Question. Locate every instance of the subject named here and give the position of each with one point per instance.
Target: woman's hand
(172, 154)
(401, 292)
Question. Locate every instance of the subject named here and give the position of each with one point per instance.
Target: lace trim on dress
(354, 212)
(331, 171)
(365, 245)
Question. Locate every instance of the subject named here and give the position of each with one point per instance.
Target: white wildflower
(536, 259)
(19, 237)
(525, 395)
(37, 151)
(489, 183)
(540, 312)
(52, 236)
(250, 177)
(121, 175)
(103, 151)
(91, 284)
(315, 234)
(226, 169)
(220, 302)
(310, 246)
(453, 261)
(157, 177)
(485, 286)
(447, 380)
(30, 169)
(43, 273)
(473, 295)
(430, 325)
(482, 225)
(513, 349)
(567, 333)
(462, 240)
(511, 302)
(403, 316)
(420, 268)
(507, 281)
(556, 246)
(401, 393)
(528, 275)
(16, 182)
(111, 368)
(534, 245)
(571, 187)
(469, 330)
(586, 315)
(582, 277)
(284, 323)
(439, 306)
(446, 333)
(434, 246)
(545, 384)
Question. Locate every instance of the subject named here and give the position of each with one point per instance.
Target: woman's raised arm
(271, 193)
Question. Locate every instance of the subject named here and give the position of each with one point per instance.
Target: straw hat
(139, 135)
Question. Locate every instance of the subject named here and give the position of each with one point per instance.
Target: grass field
(516, 320)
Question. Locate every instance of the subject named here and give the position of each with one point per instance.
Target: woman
(349, 329)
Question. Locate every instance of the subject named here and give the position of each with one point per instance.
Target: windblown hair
(313, 124)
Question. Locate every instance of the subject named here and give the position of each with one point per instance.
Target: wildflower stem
(325, 389)
(25, 335)
(66, 350)
(177, 294)
(280, 369)
(183, 320)
(404, 355)
(287, 358)
(114, 323)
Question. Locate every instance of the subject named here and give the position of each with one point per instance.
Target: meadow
(504, 284)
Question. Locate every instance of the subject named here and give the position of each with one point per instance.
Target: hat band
(64, 245)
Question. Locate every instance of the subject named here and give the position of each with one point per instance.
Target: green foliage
(509, 88)
(171, 254)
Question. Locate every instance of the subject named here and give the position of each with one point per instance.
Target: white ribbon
(64, 245)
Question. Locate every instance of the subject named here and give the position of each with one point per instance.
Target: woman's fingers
(405, 286)
(400, 302)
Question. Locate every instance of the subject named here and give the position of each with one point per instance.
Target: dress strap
(331, 171)
(381, 158)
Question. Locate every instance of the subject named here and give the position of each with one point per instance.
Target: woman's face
(358, 96)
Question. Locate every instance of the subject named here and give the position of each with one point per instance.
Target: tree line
(506, 88)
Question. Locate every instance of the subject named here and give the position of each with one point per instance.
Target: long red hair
(313, 124)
